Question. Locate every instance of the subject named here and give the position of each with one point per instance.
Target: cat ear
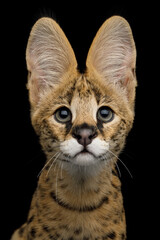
(113, 55)
(49, 57)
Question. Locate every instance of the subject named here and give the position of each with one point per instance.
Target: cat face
(82, 119)
(85, 125)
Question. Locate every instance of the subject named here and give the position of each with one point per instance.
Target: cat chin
(84, 171)
(84, 159)
(84, 165)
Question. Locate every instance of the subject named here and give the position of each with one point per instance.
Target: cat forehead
(83, 89)
(82, 93)
(84, 107)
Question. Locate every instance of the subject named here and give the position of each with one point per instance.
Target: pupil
(63, 113)
(104, 113)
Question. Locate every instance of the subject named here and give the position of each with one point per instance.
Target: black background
(21, 155)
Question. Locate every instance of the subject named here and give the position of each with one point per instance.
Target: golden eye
(63, 115)
(105, 114)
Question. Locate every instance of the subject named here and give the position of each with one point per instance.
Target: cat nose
(84, 136)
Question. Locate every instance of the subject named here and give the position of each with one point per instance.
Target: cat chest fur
(92, 211)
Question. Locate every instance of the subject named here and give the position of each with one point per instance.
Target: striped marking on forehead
(82, 88)
(86, 87)
(84, 108)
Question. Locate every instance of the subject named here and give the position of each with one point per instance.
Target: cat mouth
(83, 152)
(84, 158)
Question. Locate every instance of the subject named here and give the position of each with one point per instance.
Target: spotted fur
(78, 196)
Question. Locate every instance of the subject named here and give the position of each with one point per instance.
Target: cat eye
(105, 114)
(63, 115)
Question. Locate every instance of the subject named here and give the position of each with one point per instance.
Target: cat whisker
(58, 154)
(121, 162)
(56, 184)
(119, 172)
(61, 170)
(47, 164)
(118, 169)
(57, 180)
(55, 167)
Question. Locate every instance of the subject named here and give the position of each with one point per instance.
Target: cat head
(82, 119)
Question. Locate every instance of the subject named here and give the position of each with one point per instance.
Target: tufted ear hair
(49, 58)
(113, 55)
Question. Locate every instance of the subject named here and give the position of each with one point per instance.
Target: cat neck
(78, 190)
